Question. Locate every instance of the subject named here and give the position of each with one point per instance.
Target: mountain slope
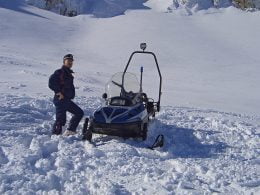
(210, 116)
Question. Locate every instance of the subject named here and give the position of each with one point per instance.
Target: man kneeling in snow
(61, 82)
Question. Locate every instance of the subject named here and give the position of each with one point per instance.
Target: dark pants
(62, 106)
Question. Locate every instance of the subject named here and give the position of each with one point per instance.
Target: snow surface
(210, 115)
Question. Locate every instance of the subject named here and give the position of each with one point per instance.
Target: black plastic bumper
(125, 130)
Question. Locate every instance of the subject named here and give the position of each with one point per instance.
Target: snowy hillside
(210, 115)
(97, 8)
(109, 8)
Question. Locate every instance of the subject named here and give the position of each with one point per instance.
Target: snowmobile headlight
(143, 46)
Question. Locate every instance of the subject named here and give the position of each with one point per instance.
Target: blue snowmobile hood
(118, 114)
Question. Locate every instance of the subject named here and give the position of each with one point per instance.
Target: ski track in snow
(205, 151)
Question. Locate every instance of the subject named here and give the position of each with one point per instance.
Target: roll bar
(143, 47)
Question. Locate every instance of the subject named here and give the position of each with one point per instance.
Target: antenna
(141, 79)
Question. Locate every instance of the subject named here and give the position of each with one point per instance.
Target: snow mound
(205, 151)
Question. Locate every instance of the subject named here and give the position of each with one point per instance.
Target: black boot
(57, 128)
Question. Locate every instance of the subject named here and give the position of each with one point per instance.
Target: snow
(205, 152)
(159, 5)
(97, 8)
(210, 115)
(110, 8)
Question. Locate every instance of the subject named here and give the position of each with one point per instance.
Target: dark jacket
(62, 81)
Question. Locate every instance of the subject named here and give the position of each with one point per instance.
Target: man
(61, 82)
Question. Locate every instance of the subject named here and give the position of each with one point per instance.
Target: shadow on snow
(178, 142)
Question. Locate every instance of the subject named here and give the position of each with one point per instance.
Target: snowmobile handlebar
(158, 69)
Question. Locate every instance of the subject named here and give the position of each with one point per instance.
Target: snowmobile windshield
(115, 87)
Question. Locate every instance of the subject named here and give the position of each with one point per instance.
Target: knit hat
(68, 56)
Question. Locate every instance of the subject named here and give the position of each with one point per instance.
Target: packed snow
(210, 115)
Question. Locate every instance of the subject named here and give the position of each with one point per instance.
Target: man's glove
(60, 96)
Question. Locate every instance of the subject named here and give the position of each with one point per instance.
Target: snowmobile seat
(120, 101)
(134, 97)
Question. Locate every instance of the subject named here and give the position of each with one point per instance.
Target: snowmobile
(127, 109)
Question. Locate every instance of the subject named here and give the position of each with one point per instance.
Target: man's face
(68, 63)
